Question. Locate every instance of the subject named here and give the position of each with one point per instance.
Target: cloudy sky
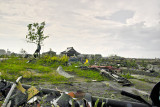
(128, 28)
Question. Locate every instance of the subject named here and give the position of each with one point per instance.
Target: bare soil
(107, 89)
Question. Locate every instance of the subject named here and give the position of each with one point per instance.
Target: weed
(88, 74)
(96, 103)
(44, 70)
(128, 76)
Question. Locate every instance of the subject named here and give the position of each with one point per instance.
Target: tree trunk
(39, 54)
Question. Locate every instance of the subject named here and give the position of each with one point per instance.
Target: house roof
(70, 50)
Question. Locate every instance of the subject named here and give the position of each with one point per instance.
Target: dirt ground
(107, 89)
(142, 86)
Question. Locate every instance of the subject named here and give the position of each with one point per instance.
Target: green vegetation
(43, 70)
(96, 103)
(88, 74)
(129, 63)
(48, 60)
(128, 76)
(36, 34)
(15, 67)
(1, 102)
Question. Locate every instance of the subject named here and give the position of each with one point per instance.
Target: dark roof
(70, 51)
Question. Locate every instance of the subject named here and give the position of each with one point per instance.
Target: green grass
(12, 68)
(128, 76)
(88, 74)
(42, 71)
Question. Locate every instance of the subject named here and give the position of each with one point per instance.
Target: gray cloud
(123, 27)
(122, 16)
(119, 16)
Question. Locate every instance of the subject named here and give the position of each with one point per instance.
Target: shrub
(55, 59)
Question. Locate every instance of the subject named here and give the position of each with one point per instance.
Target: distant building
(2, 52)
(50, 53)
(70, 51)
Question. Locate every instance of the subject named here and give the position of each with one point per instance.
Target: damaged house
(70, 51)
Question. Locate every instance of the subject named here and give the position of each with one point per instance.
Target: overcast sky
(128, 28)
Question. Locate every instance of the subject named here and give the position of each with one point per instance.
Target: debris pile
(29, 96)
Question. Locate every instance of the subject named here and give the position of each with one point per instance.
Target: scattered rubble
(116, 77)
